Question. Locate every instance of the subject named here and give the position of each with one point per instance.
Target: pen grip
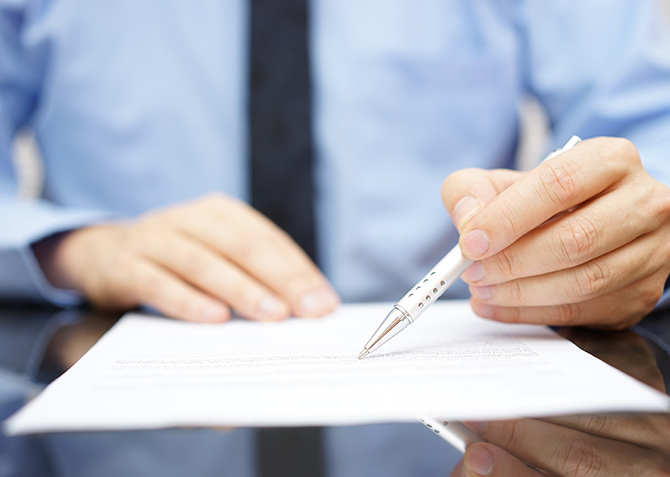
(447, 270)
(434, 283)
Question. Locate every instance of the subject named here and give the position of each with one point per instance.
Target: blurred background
(533, 136)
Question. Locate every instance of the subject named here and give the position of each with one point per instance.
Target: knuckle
(240, 246)
(590, 281)
(577, 238)
(176, 217)
(240, 290)
(559, 183)
(182, 307)
(148, 235)
(507, 264)
(163, 218)
(177, 302)
(448, 184)
(512, 216)
(510, 436)
(296, 283)
(254, 248)
(578, 458)
(239, 294)
(617, 155)
(516, 292)
(659, 203)
(194, 265)
(621, 149)
(458, 177)
(597, 424)
(566, 314)
(508, 314)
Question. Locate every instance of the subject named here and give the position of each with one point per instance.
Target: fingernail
(213, 312)
(479, 460)
(478, 427)
(270, 308)
(464, 208)
(318, 303)
(474, 273)
(483, 293)
(475, 243)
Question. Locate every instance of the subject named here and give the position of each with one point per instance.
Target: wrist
(46, 251)
(63, 257)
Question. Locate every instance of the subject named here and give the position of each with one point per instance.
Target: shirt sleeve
(23, 222)
(602, 68)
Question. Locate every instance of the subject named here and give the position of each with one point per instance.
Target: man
(139, 111)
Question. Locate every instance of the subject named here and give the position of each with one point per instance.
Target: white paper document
(151, 372)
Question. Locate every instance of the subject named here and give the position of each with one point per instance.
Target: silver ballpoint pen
(430, 287)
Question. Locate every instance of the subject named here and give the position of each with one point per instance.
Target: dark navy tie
(281, 153)
(280, 118)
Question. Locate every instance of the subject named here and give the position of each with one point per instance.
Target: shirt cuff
(21, 277)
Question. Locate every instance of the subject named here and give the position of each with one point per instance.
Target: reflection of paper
(149, 372)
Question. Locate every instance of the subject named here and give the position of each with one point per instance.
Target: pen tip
(363, 354)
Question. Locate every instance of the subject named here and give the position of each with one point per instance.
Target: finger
(651, 431)
(566, 452)
(263, 251)
(159, 289)
(466, 191)
(608, 273)
(483, 459)
(596, 228)
(212, 273)
(553, 187)
(617, 310)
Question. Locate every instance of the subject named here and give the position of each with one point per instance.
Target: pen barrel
(454, 432)
(434, 283)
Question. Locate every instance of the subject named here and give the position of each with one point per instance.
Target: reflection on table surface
(37, 344)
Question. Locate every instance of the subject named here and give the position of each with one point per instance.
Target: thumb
(487, 460)
(467, 191)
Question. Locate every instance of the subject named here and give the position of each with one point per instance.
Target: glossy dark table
(37, 344)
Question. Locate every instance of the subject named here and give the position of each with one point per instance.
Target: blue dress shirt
(141, 104)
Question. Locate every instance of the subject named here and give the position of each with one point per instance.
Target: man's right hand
(195, 261)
